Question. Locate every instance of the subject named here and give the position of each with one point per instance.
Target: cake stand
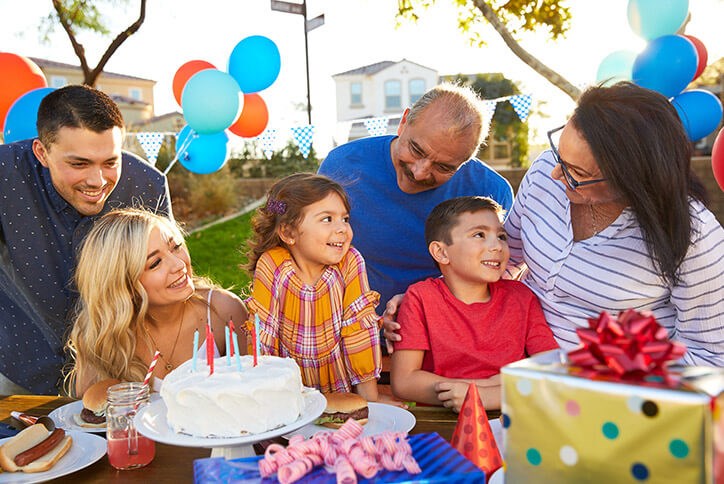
(151, 422)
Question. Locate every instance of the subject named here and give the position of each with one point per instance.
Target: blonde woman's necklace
(594, 226)
(168, 361)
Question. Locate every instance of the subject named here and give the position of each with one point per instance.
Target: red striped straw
(151, 367)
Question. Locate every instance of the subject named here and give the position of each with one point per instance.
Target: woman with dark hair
(612, 217)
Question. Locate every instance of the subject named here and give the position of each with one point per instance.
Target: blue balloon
(666, 65)
(700, 111)
(22, 115)
(255, 63)
(615, 67)
(653, 18)
(211, 101)
(202, 153)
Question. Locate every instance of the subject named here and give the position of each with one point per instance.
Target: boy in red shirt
(462, 327)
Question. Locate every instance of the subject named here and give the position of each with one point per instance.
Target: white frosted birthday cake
(231, 403)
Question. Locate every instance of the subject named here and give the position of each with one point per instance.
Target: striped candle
(210, 349)
(196, 350)
(151, 367)
(256, 340)
(232, 330)
(236, 352)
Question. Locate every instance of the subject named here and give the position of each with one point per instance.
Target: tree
(79, 15)
(509, 19)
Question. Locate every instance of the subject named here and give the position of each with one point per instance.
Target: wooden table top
(175, 464)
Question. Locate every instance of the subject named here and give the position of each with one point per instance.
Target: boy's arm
(409, 381)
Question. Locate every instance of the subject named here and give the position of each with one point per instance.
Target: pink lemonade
(122, 454)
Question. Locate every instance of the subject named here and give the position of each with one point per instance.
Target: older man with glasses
(612, 218)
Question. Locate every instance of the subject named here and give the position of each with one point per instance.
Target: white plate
(498, 477)
(382, 418)
(151, 422)
(84, 451)
(64, 417)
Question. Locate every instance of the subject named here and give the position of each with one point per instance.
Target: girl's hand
(452, 394)
(391, 327)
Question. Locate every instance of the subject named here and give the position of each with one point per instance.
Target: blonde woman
(138, 295)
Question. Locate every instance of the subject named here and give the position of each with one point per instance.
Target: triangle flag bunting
(151, 144)
(473, 436)
(488, 112)
(268, 137)
(376, 126)
(303, 137)
(521, 104)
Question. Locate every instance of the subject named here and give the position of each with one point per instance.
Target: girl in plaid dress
(310, 287)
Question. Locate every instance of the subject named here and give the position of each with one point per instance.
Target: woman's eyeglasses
(572, 182)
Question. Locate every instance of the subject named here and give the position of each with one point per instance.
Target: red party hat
(473, 437)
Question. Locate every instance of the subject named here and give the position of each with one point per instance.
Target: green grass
(217, 252)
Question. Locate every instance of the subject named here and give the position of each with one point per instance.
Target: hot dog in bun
(341, 407)
(95, 402)
(35, 449)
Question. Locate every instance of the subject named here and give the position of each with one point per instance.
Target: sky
(355, 33)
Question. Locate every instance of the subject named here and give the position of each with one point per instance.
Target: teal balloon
(700, 111)
(615, 67)
(22, 115)
(255, 63)
(666, 65)
(211, 101)
(202, 153)
(653, 18)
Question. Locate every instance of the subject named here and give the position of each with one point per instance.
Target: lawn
(216, 252)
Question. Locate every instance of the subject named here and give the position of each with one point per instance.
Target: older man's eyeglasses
(572, 182)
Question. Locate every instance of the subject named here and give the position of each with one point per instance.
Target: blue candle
(228, 347)
(236, 351)
(196, 349)
(256, 333)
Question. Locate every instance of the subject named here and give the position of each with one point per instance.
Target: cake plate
(151, 422)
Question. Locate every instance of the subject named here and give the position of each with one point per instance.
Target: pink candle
(231, 335)
(210, 349)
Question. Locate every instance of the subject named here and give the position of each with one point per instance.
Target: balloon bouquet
(667, 65)
(214, 101)
(22, 87)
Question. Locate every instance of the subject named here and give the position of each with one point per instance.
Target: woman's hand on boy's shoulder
(389, 323)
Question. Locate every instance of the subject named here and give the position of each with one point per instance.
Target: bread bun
(26, 439)
(95, 398)
(341, 407)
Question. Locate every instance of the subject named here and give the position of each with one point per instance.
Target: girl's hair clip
(276, 206)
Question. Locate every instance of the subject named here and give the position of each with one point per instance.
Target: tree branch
(553, 77)
(77, 46)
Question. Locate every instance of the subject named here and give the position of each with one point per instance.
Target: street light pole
(309, 25)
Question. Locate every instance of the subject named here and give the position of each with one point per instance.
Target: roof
(160, 117)
(118, 98)
(45, 63)
(376, 67)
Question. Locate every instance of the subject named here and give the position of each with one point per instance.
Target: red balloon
(253, 119)
(717, 159)
(19, 75)
(701, 54)
(184, 73)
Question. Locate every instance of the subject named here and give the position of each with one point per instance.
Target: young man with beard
(53, 189)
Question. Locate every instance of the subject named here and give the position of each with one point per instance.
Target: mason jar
(127, 449)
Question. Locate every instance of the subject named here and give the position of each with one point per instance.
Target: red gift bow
(631, 347)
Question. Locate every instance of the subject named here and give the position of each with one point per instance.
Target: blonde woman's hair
(113, 303)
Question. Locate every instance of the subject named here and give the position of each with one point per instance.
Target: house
(134, 95)
(382, 89)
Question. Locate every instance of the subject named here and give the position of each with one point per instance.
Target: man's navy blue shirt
(40, 235)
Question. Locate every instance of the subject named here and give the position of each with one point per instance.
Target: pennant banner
(376, 126)
(267, 141)
(521, 104)
(151, 144)
(303, 137)
(488, 111)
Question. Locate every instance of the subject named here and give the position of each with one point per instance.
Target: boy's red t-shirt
(472, 340)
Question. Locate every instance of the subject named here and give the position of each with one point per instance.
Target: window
(417, 89)
(135, 93)
(355, 93)
(393, 97)
(58, 81)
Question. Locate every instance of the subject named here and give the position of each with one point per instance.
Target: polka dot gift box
(575, 424)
